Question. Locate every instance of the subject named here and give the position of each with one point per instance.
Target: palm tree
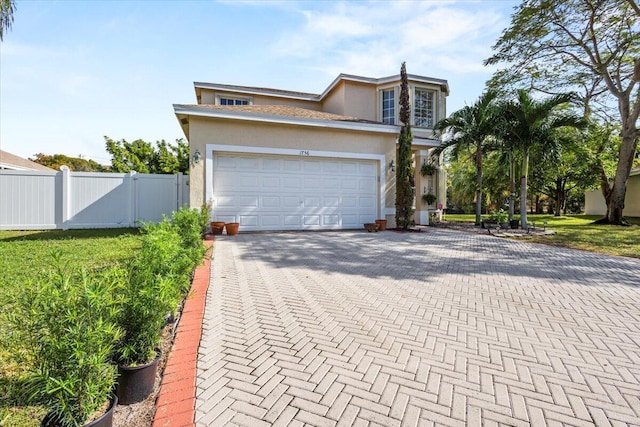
(533, 123)
(470, 131)
(7, 8)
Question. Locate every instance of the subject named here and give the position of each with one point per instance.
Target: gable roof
(281, 114)
(11, 161)
(250, 90)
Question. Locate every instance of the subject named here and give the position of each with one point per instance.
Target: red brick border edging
(175, 406)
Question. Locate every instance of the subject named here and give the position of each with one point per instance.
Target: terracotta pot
(105, 420)
(382, 224)
(371, 226)
(232, 228)
(136, 384)
(217, 227)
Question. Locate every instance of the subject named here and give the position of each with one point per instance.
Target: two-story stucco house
(274, 159)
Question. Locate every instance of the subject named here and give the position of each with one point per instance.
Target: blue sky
(74, 71)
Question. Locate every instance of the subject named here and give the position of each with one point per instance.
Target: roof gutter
(287, 120)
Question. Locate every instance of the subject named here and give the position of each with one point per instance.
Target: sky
(73, 72)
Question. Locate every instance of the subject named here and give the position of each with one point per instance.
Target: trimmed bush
(66, 324)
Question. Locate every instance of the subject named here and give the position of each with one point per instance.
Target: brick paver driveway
(435, 328)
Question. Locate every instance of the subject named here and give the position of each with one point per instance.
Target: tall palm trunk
(478, 183)
(512, 185)
(523, 188)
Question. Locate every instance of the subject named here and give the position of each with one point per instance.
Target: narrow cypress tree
(404, 172)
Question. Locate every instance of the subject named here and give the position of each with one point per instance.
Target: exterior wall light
(392, 166)
(196, 157)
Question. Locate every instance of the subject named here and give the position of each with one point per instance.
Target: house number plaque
(304, 152)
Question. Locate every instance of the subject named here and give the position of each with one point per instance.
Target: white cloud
(373, 38)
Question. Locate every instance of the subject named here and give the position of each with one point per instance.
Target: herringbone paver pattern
(436, 328)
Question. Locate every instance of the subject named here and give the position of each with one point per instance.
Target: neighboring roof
(444, 85)
(11, 161)
(283, 114)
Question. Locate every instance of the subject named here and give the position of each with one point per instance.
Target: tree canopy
(143, 157)
(589, 46)
(76, 164)
(7, 9)
(469, 131)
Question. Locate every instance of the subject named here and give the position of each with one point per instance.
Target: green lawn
(24, 255)
(579, 232)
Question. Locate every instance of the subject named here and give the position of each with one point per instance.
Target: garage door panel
(271, 201)
(311, 220)
(291, 201)
(311, 202)
(291, 182)
(226, 202)
(251, 163)
(350, 220)
(331, 167)
(271, 182)
(367, 169)
(247, 202)
(331, 220)
(293, 220)
(349, 202)
(366, 202)
(270, 220)
(312, 166)
(349, 168)
(248, 220)
(292, 165)
(281, 192)
(313, 183)
(367, 185)
(271, 164)
(331, 202)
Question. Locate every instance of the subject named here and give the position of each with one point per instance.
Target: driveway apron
(433, 328)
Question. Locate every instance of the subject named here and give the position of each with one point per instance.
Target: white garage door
(293, 193)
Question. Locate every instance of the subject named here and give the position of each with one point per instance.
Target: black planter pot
(514, 223)
(136, 384)
(104, 421)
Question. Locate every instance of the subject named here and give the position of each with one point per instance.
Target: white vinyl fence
(39, 200)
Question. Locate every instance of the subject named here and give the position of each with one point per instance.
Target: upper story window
(233, 101)
(423, 108)
(388, 107)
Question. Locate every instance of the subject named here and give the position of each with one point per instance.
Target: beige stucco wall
(203, 131)
(334, 100)
(594, 203)
(360, 101)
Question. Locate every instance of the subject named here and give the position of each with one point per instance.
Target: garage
(282, 192)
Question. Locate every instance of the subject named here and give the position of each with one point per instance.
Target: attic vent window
(233, 101)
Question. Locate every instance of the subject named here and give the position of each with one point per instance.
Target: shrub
(429, 198)
(66, 324)
(500, 216)
(156, 280)
(189, 225)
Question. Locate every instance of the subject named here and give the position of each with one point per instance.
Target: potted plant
(427, 168)
(67, 326)
(217, 227)
(429, 198)
(500, 217)
(156, 280)
(382, 224)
